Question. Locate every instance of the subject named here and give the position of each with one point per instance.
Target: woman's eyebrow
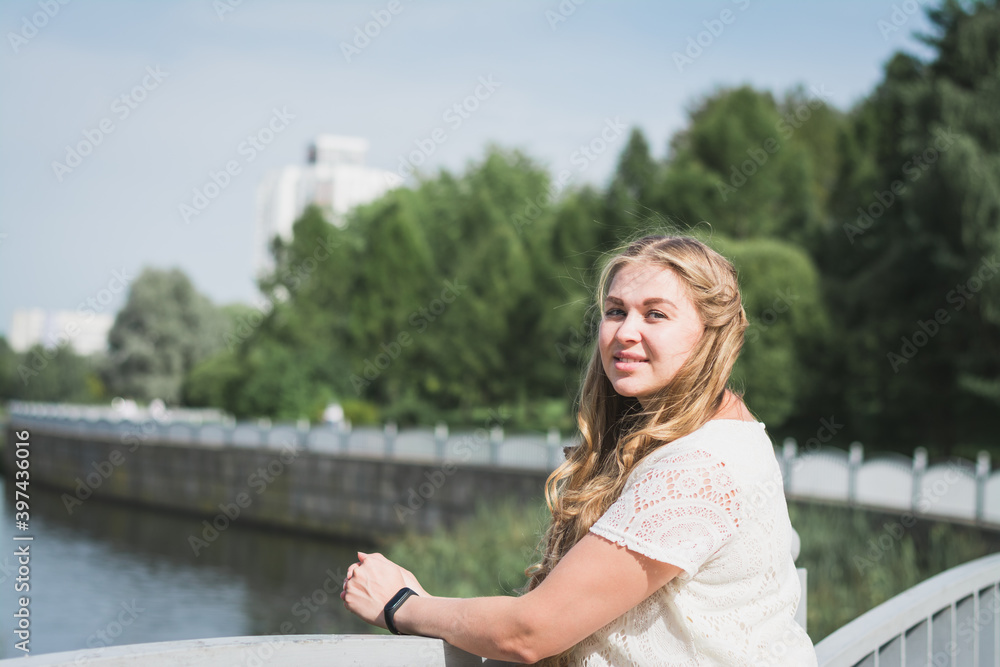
(651, 301)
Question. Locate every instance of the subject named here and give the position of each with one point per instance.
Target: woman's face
(649, 328)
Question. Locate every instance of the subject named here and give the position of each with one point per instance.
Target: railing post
(440, 439)
(345, 435)
(552, 440)
(263, 424)
(919, 468)
(854, 458)
(788, 452)
(302, 433)
(982, 476)
(390, 439)
(496, 439)
(228, 427)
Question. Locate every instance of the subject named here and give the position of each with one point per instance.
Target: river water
(110, 574)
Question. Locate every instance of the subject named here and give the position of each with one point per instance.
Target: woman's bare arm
(595, 583)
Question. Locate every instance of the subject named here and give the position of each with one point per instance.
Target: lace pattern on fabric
(678, 510)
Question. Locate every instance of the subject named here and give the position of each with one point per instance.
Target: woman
(670, 540)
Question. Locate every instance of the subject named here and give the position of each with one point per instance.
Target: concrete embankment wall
(286, 487)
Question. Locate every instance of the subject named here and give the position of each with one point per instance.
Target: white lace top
(712, 504)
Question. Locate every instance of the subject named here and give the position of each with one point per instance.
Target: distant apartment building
(335, 178)
(85, 331)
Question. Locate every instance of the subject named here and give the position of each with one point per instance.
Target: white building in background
(87, 332)
(335, 179)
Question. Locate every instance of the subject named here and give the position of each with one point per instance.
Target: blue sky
(199, 76)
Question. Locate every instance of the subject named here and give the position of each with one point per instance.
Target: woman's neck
(733, 408)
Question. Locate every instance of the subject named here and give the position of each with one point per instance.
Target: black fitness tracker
(392, 605)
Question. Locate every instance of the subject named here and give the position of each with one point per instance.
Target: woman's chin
(627, 389)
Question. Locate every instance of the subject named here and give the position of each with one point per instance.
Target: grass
(485, 555)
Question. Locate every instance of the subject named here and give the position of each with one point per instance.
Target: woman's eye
(613, 312)
(655, 314)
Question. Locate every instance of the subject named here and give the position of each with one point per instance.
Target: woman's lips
(628, 363)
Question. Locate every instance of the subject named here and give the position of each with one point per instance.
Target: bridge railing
(297, 651)
(950, 620)
(954, 490)
(532, 451)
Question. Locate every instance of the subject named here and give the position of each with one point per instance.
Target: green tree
(638, 173)
(56, 375)
(8, 370)
(788, 326)
(165, 328)
(432, 302)
(214, 382)
(288, 358)
(747, 167)
(910, 265)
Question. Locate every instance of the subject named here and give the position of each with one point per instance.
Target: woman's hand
(371, 583)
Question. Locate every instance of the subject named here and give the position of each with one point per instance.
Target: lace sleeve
(678, 510)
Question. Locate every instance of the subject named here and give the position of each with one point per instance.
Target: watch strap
(393, 605)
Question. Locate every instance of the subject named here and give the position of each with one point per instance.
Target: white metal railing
(950, 620)
(532, 451)
(955, 490)
(119, 410)
(288, 651)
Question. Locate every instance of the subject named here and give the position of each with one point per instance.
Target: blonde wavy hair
(617, 433)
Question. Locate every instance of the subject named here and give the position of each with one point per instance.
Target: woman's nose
(628, 331)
